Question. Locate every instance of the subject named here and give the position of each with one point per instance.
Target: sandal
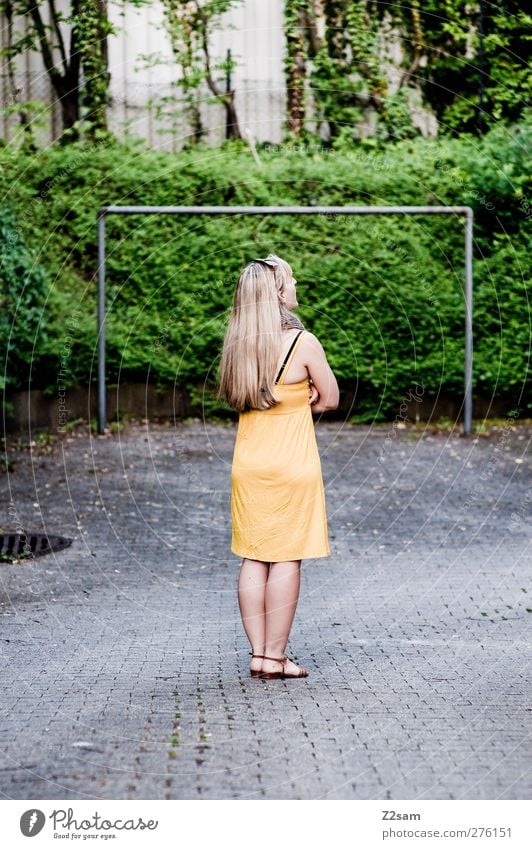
(255, 673)
(282, 674)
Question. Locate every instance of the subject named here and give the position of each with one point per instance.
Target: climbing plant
(296, 14)
(347, 77)
(92, 28)
(470, 59)
(466, 61)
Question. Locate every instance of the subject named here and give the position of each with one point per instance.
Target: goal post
(465, 211)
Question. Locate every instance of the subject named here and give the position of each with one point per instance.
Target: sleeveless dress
(277, 497)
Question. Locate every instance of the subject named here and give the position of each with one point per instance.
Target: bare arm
(321, 375)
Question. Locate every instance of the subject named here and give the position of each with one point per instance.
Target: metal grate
(18, 545)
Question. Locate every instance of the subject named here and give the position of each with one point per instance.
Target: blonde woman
(275, 374)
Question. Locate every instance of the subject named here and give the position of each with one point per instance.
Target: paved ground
(125, 666)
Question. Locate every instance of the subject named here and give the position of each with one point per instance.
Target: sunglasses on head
(271, 262)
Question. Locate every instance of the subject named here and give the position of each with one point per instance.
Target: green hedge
(23, 293)
(383, 294)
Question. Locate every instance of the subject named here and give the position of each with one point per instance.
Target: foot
(291, 669)
(256, 663)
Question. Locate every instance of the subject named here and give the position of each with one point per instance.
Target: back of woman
(275, 374)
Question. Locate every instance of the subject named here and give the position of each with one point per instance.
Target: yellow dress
(277, 497)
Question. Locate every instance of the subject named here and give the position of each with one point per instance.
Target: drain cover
(27, 544)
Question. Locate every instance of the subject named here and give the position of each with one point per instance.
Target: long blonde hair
(254, 334)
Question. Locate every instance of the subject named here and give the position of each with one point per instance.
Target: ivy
(475, 71)
(92, 27)
(295, 65)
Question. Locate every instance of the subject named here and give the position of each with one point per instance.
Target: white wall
(254, 33)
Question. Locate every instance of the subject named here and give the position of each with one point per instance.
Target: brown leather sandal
(282, 674)
(255, 673)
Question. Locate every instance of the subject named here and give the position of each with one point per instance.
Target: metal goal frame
(465, 211)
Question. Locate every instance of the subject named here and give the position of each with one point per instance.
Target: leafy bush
(384, 294)
(23, 292)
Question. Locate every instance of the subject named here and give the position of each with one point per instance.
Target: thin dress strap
(288, 357)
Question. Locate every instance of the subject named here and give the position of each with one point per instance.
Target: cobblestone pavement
(125, 665)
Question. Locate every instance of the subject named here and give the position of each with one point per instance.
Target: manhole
(25, 544)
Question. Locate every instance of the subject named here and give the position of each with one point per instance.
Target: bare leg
(282, 593)
(251, 591)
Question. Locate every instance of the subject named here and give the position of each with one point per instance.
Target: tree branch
(57, 27)
(314, 40)
(75, 54)
(205, 45)
(33, 10)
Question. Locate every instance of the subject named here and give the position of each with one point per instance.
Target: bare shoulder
(312, 350)
(311, 342)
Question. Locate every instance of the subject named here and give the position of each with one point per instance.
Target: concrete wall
(33, 410)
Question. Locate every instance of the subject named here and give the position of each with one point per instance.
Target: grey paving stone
(125, 666)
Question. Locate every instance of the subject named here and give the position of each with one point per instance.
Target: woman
(275, 374)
